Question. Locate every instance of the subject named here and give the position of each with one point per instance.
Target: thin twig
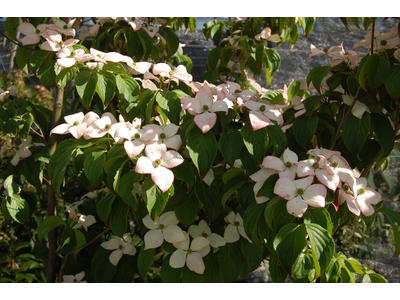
(333, 143)
(11, 40)
(78, 249)
(167, 23)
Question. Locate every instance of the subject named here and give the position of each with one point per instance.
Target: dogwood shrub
(156, 177)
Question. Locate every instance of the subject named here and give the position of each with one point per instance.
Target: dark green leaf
(48, 224)
(202, 148)
(86, 82)
(355, 132)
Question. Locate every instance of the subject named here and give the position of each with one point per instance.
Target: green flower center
(262, 108)
(237, 224)
(73, 53)
(335, 164)
(383, 43)
(75, 280)
(75, 123)
(61, 43)
(205, 235)
(361, 191)
(288, 165)
(326, 50)
(98, 55)
(37, 31)
(120, 247)
(189, 251)
(163, 136)
(346, 187)
(315, 165)
(136, 136)
(108, 127)
(157, 163)
(171, 73)
(205, 108)
(300, 192)
(132, 19)
(134, 64)
(161, 226)
(65, 27)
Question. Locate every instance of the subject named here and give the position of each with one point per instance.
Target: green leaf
(114, 168)
(118, 217)
(184, 172)
(104, 206)
(11, 26)
(227, 254)
(277, 138)
(114, 67)
(128, 87)
(105, 87)
(289, 243)
(58, 163)
(48, 224)
(312, 102)
(255, 141)
(303, 266)
(145, 260)
(318, 74)
(187, 211)
(230, 144)
(125, 272)
(126, 188)
(65, 76)
(304, 129)
(211, 271)
(47, 74)
(378, 70)
(172, 40)
(384, 132)
(392, 82)
(232, 185)
(86, 82)
(102, 269)
(37, 58)
(253, 254)
(209, 198)
(169, 274)
(372, 277)
(22, 59)
(18, 208)
(216, 33)
(273, 97)
(278, 273)
(190, 276)
(154, 198)
(202, 148)
(274, 59)
(93, 165)
(147, 42)
(333, 271)
(394, 219)
(322, 244)
(318, 216)
(170, 105)
(250, 220)
(355, 132)
(276, 215)
(213, 57)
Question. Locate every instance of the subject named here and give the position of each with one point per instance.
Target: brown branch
(51, 196)
(372, 36)
(11, 40)
(167, 23)
(78, 249)
(333, 142)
